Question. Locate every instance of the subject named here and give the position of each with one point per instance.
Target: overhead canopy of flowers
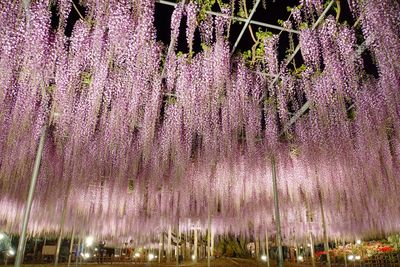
(140, 136)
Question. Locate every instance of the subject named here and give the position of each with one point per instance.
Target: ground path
(222, 262)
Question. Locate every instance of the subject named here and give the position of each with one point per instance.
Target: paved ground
(230, 262)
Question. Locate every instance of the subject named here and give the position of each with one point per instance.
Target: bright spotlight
(350, 257)
(358, 257)
(309, 245)
(2, 236)
(11, 252)
(96, 249)
(86, 255)
(151, 256)
(300, 258)
(193, 257)
(137, 255)
(358, 242)
(264, 258)
(89, 241)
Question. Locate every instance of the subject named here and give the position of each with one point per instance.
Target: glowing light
(193, 257)
(300, 258)
(2, 236)
(264, 258)
(151, 256)
(358, 257)
(358, 242)
(11, 252)
(86, 255)
(96, 249)
(137, 255)
(350, 257)
(309, 245)
(89, 241)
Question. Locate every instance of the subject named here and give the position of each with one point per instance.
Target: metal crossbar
(253, 22)
(246, 24)
(307, 105)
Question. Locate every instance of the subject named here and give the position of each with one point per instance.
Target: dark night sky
(274, 11)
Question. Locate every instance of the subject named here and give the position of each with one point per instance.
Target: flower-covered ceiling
(142, 134)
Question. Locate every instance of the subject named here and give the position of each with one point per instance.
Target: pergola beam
(246, 24)
(307, 105)
(253, 22)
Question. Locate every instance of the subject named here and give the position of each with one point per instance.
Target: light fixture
(350, 257)
(85, 255)
(264, 258)
(358, 257)
(300, 258)
(89, 241)
(151, 256)
(11, 252)
(358, 242)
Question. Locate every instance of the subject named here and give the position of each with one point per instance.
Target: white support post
(71, 247)
(312, 249)
(195, 245)
(28, 205)
(209, 236)
(326, 241)
(169, 251)
(160, 247)
(277, 214)
(267, 247)
(63, 215)
(212, 242)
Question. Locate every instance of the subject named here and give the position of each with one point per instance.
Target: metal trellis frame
(253, 22)
(246, 24)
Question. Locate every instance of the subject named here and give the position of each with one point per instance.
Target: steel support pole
(78, 250)
(209, 237)
(63, 215)
(326, 241)
(257, 248)
(312, 250)
(277, 214)
(35, 249)
(267, 247)
(297, 252)
(212, 243)
(160, 248)
(169, 244)
(345, 256)
(28, 205)
(178, 242)
(195, 245)
(71, 247)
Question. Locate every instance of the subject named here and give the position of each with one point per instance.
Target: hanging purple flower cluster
(150, 140)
